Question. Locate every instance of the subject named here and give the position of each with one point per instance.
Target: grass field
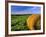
(18, 22)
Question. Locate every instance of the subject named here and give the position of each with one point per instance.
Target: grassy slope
(18, 22)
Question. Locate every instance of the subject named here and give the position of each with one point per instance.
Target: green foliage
(18, 22)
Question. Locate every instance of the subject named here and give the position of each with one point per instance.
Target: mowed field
(19, 22)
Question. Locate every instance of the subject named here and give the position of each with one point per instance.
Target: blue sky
(25, 9)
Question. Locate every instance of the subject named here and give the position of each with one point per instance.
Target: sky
(25, 9)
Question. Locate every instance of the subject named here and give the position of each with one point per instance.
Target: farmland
(18, 22)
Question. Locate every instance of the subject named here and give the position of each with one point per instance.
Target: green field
(18, 22)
